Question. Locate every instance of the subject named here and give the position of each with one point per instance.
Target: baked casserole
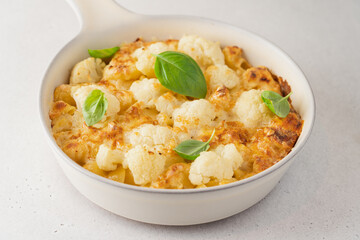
(135, 140)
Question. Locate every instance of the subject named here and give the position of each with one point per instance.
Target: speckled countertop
(319, 196)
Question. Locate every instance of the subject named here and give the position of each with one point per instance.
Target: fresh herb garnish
(191, 149)
(276, 103)
(180, 73)
(103, 53)
(94, 108)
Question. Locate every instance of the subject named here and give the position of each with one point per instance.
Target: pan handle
(99, 14)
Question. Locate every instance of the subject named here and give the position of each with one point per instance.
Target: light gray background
(317, 199)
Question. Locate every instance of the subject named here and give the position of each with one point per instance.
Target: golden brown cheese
(175, 177)
(63, 93)
(260, 78)
(235, 60)
(260, 147)
(221, 98)
(122, 65)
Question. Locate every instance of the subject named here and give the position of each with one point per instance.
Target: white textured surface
(317, 199)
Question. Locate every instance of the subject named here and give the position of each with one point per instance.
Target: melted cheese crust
(136, 144)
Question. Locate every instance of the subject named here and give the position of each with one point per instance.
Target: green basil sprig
(180, 73)
(103, 53)
(191, 149)
(94, 107)
(276, 103)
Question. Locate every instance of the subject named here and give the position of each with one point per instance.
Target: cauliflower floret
(147, 91)
(167, 103)
(203, 51)
(219, 164)
(251, 110)
(80, 94)
(145, 163)
(193, 113)
(151, 135)
(107, 158)
(229, 151)
(145, 61)
(219, 75)
(89, 70)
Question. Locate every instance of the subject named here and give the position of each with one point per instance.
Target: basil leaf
(94, 107)
(180, 73)
(103, 53)
(276, 103)
(191, 149)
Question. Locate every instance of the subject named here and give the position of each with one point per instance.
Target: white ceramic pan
(105, 24)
